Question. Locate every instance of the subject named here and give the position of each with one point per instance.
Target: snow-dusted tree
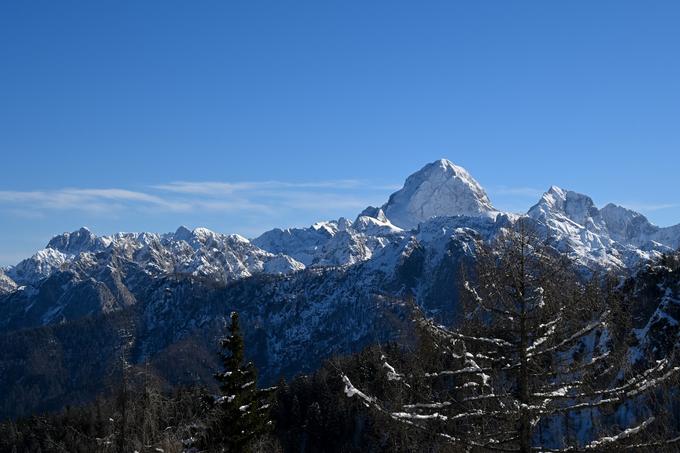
(535, 351)
(242, 411)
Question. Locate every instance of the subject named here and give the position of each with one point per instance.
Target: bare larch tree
(536, 348)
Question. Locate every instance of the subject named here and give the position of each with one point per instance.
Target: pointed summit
(574, 206)
(183, 234)
(438, 189)
(75, 242)
(626, 225)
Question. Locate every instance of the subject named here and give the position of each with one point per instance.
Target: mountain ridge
(304, 293)
(609, 237)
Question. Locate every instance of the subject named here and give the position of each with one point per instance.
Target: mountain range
(304, 293)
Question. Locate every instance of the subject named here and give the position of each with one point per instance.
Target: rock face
(7, 285)
(200, 252)
(439, 189)
(79, 241)
(303, 293)
(79, 274)
(333, 243)
(613, 237)
(630, 227)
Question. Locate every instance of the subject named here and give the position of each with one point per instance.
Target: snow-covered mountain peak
(239, 238)
(183, 234)
(438, 189)
(39, 266)
(7, 285)
(74, 242)
(613, 236)
(619, 216)
(628, 226)
(203, 235)
(572, 205)
(344, 224)
(375, 226)
(555, 196)
(433, 202)
(329, 228)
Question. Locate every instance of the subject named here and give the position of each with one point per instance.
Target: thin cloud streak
(221, 188)
(93, 200)
(268, 198)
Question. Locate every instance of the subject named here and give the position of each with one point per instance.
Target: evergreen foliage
(241, 413)
(534, 363)
(477, 367)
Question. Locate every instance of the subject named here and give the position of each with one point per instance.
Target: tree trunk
(524, 416)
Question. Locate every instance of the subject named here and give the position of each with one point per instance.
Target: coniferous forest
(539, 359)
(258, 226)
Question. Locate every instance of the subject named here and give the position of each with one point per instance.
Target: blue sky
(244, 115)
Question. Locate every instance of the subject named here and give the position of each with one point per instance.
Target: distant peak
(444, 163)
(182, 232)
(202, 231)
(611, 207)
(440, 188)
(447, 164)
(561, 202)
(236, 238)
(329, 228)
(559, 196)
(614, 213)
(197, 234)
(344, 224)
(74, 242)
(555, 190)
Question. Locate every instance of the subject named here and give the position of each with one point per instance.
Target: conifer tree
(534, 352)
(241, 412)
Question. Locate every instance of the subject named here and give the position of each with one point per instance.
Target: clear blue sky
(299, 111)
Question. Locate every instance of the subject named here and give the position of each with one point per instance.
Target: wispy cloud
(85, 199)
(221, 188)
(259, 197)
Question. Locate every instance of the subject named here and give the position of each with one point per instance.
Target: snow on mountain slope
(201, 252)
(630, 227)
(7, 285)
(438, 189)
(611, 237)
(576, 225)
(310, 291)
(224, 257)
(76, 242)
(303, 244)
(653, 295)
(415, 228)
(39, 266)
(333, 243)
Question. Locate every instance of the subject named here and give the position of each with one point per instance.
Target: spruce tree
(241, 413)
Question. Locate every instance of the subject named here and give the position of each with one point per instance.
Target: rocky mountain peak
(574, 206)
(438, 189)
(7, 285)
(75, 242)
(183, 234)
